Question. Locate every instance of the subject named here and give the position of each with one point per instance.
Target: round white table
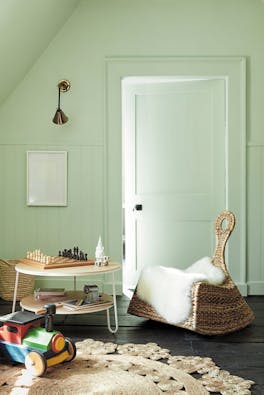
(29, 303)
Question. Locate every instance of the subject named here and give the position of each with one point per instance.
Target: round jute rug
(108, 368)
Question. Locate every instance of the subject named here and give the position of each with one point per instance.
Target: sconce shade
(60, 118)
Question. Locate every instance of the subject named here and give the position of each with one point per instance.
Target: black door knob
(138, 207)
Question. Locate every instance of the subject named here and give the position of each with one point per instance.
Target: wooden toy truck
(23, 340)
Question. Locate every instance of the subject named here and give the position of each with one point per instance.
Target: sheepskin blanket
(168, 289)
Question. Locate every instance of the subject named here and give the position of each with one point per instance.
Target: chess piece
(74, 253)
(99, 252)
(100, 258)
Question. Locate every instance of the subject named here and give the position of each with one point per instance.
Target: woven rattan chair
(216, 309)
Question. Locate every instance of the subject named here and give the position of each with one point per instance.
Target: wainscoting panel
(52, 228)
(255, 220)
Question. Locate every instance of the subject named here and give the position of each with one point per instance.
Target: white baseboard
(243, 288)
(256, 287)
(251, 288)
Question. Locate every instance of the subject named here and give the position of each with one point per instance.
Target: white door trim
(232, 68)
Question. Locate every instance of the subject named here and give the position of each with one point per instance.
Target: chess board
(59, 262)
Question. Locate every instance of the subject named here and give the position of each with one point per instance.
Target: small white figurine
(100, 258)
(99, 252)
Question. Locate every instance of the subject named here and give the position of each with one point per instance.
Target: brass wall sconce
(60, 118)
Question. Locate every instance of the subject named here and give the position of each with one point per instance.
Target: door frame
(231, 68)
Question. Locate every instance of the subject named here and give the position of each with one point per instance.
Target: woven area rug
(108, 368)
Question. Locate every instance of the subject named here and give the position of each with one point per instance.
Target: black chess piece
(85, 257)
(59, 253)
(74, 252)
(81, 256)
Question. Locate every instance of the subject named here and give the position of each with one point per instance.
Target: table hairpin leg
(115, 309)
(15, 293)
(74, 283)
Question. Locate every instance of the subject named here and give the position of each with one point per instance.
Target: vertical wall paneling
(52, 228)
(77, 50)
(255, 228)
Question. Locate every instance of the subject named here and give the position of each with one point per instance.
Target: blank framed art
(46, 178)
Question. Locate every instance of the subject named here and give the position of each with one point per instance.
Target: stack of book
(80, 304)
(48, 293)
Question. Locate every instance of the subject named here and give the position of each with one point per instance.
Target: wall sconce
(60, 118)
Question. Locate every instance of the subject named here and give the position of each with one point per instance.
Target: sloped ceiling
(26, 29)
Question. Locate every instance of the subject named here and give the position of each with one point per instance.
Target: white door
(174, 161)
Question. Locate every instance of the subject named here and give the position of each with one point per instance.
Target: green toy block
(38, 338)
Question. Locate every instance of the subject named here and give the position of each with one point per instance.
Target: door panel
(183, 244)
(169, 138)
(175, 166)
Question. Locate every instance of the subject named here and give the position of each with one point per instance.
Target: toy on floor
(23, 340)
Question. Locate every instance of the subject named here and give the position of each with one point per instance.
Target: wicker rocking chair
(216, 309)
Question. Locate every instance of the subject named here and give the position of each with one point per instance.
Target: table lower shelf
(29, 303)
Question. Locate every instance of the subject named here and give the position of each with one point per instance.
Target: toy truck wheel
(35, 363)
(71, 349)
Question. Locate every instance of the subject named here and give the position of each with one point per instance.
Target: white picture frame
(47, 178)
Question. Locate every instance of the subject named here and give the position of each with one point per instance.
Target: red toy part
(16, 325)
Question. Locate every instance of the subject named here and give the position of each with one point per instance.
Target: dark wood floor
(241, 353)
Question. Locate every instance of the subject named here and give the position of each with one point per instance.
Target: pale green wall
(97, 29)
(24, 35)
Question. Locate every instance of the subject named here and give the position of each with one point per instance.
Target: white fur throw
(167, 289)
